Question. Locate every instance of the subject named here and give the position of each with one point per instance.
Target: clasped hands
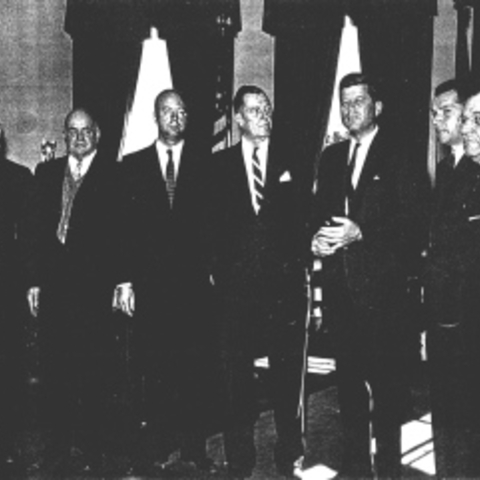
(124, 298)
(339, 232)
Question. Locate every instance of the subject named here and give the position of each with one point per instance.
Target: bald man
(71, 293)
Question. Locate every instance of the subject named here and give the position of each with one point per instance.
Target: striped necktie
(258, 185)
(170, 174)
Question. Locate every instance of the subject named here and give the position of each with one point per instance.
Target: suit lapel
(370, 168)
(239, 179)
(464, 180)
(185, 175)
(56, 187)
(156, 179)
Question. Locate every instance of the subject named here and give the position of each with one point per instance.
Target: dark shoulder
(16, 171)
(333, 152)
(138, 156)
(335, 148)
(19, 178)
(226, 161)
(228, 156)
(47, 168)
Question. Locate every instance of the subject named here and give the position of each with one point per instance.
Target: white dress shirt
(458, 152)
(262, 153)
(79, 169)
(162, 151)
(362, 153)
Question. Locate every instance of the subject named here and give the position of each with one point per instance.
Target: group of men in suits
(376, 226)
(207, 259)
(452, 282)
(214, 259)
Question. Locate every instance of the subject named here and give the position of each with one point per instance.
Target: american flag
(222, 132)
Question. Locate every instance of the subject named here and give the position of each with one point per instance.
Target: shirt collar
(162, 149)
(458, 152)
(85, 165)
(365, 142)
(248, 147)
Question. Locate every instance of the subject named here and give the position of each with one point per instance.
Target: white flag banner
(348, 62)
(140, 129)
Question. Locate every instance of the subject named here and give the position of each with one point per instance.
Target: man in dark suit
(72, 286)
(260, 252)
(167, 284)
(452, 284)
(15, 186)
(367, 226)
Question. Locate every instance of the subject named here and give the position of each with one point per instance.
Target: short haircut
(353, 79)
(245, 90)
(453, 85)
(472, 89)
(166, 93)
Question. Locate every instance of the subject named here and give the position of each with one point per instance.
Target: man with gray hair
(72, 280)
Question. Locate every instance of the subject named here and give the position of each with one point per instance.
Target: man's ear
(239, 119)
(378, 108)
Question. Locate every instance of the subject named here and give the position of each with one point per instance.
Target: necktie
(77, 170)
(350, 170)
(170, 174)
(258, 186)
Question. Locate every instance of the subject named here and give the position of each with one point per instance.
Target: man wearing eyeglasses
(71, 280)
(260, 252)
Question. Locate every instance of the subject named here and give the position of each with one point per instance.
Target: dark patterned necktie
(170, 174)
(258, 185)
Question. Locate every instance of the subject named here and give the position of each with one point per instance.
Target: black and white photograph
(240, 239)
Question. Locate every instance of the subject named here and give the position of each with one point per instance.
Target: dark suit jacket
(453, 262)
(259, 257)
(165, 251)
(76, 278)
(15, 188)
(387, 206)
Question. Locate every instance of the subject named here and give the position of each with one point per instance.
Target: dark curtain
(104, 79)
(307, 39)
(107, 43)
(106, 50)
(200, 36)
(194, 65)
(396, 47)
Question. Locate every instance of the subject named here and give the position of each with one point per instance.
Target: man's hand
(321, 247)
(332, 237)
(124, 298)
(33, 297)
